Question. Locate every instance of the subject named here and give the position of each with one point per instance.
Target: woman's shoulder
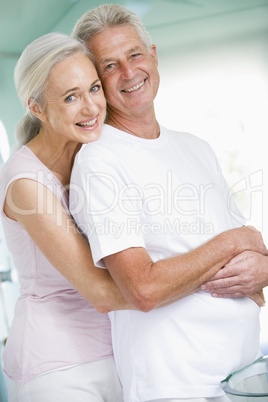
(22, 164)
(21, 161)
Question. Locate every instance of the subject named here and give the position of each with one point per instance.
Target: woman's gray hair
(32, 72)
(105, 16)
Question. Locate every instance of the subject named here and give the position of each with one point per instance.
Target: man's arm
(95, 200)
(244, 275)
(147, 284)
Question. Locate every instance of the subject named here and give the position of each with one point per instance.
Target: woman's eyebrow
(70, 90)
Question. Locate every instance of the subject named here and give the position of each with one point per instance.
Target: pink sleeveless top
(54, 326)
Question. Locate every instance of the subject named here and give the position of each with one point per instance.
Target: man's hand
(245, 275)
(249, 238)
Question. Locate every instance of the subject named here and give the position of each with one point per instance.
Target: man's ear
(36, 109)
(154, 54)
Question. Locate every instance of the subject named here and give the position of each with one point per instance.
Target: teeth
(134, 88)
(88, 123)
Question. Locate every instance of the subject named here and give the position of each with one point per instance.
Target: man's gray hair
(105, 16)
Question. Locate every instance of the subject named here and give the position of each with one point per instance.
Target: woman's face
(75, 104)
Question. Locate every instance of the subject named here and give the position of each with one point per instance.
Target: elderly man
(157, 212)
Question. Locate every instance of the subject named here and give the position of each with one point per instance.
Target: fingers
(245, 275)
(227, 276)
(233, 269)
(240, 257)
(230, 288)
(228, 295)
(261, 247)
(257, 298)
(223, 284)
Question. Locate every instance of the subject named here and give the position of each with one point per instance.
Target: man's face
(127, 69)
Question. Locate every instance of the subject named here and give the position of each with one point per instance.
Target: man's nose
(127, 70)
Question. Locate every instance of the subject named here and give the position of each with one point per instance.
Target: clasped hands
(245, 275)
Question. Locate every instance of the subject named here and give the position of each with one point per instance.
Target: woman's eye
(95, 88)
(70, 98)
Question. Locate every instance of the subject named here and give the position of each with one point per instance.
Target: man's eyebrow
(107, 61)
(135, 49)
(129, 51)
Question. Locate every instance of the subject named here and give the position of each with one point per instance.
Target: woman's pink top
(54, 326)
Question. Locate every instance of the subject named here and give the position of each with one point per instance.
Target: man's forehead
(111, 39)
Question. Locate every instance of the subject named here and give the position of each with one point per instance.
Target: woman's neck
(58, 158)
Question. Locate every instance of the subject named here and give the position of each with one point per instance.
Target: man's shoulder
(186, 138)
(197, 148)
(184, 135)
(101, 148)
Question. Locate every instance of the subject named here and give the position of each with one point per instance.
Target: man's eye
(109, 66)
(70, 98)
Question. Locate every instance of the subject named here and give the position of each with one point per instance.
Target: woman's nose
(89, 104)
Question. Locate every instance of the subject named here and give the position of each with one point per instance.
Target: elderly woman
(59, 347)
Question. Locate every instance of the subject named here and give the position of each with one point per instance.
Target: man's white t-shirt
(169, 196)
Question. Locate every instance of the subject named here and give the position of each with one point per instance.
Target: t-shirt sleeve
(106, 207)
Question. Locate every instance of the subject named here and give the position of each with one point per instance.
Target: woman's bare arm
(41, 214)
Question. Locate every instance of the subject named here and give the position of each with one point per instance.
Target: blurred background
(213, 63)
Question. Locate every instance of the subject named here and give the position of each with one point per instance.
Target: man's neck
(143, 127)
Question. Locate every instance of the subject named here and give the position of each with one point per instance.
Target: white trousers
(90, 382)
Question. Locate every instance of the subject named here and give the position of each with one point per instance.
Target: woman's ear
(36, 109)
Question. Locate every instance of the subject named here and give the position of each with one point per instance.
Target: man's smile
(134, 88)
